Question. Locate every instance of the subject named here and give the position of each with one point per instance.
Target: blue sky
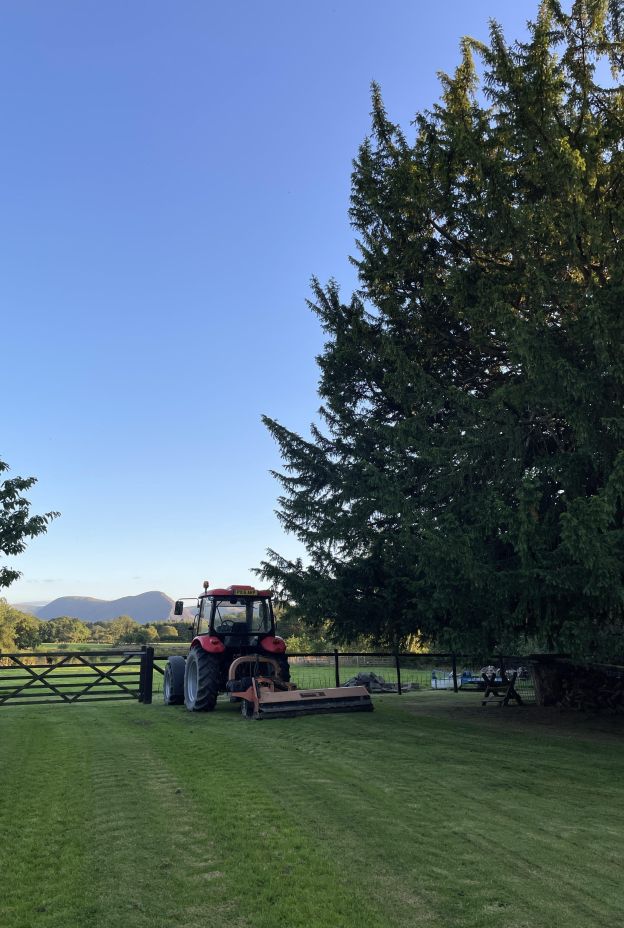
(171, 175)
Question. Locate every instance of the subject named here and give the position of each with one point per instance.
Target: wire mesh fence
(380, 671)
(384, 672)
(470, 674)
(401, 674)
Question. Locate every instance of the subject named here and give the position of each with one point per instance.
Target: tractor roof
(238, 589)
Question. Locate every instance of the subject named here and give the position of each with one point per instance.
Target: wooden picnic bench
(499, 692)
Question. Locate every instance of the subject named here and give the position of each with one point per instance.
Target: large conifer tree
(467, 477)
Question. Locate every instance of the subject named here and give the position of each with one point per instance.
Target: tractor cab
(239, 616)
(235, 618)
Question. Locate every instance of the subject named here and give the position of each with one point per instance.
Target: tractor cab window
(203, 617)
(242, 616)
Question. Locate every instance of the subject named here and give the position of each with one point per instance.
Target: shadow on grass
(467, 708)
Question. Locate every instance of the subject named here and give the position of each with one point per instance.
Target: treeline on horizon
(21, 631)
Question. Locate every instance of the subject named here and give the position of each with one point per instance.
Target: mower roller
(235, 650)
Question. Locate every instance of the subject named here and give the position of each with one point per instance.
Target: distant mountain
(31, 608)
(146, 607)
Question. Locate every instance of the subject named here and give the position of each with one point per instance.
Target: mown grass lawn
(429, 811)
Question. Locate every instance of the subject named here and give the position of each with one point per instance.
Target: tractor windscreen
(242, 616)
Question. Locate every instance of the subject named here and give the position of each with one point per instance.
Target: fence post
(148, 678)
(337, 666)
(454, 665)
(398, 671)
(142, 674)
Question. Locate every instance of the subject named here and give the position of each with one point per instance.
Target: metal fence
(40, 677)
(409, 673)
(403, 673)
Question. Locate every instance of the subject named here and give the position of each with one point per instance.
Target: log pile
(583, 687)
(376, 684)
(593, 689)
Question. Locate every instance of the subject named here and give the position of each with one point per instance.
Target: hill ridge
(151, 606)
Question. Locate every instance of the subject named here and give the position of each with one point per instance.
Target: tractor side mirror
(178, 609)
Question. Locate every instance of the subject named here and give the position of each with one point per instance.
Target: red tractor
(235, 650)
(234, 622)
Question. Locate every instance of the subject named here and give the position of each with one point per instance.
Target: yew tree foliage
(17, 524)
(467, 478)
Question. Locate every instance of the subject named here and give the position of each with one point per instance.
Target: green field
(429, 811)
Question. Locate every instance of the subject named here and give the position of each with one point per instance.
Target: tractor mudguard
(273, 644)
(209, 643)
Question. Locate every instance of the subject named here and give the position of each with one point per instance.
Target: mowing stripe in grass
(387, 820)
(42, 821)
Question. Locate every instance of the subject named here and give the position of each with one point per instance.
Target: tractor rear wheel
(201, 681)
(173, 684)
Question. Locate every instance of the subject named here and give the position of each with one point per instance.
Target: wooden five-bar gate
(71, 676)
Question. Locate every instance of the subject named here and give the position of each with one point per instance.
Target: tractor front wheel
(201, 681)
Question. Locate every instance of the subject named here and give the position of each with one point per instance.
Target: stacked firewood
(592, 689)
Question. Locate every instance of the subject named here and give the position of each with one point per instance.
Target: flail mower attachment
(270, 697)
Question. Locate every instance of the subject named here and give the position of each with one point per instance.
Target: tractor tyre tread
(207, 681)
